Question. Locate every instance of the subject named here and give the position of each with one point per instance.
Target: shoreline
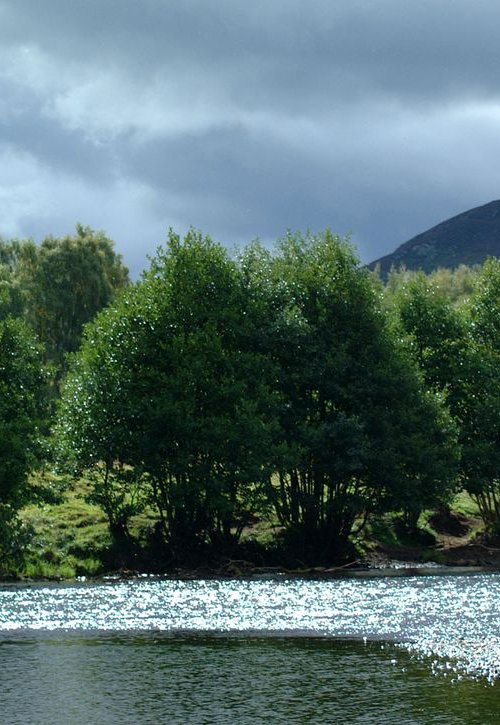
(398, 569)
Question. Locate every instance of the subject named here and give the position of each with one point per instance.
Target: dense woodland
(288, 383)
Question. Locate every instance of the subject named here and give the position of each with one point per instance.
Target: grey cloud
(262, 181)
(379, 118)
(323, 48)
(57, 148)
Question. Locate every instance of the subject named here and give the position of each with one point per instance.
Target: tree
(438, 336)
(14, 257)
(454, 285)
(359, 433)
(458, 352)
(169, 384)
(481, 429)
(72, 279)
(22, 409)
(60, 285)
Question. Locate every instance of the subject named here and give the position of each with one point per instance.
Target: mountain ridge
(467, 238)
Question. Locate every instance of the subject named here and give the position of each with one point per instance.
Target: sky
(376, 118)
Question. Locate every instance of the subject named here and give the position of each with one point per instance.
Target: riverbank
(466, 559)
(69, 538)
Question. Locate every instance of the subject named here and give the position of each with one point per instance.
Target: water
(401, 650)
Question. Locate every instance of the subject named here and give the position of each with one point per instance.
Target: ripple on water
(453, 617)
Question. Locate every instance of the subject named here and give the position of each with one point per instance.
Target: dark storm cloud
(57, 148)
(245, 119)
(403, 48)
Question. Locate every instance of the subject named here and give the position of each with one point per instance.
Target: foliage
(59, 285)
(22, 409)
(170, 389)
(458, 351)
(208, 376)
(69, 537)
(438, 337)
(359, 433)
(482, 426)
(14, 540)
(455, 285)
(286, 382)
(15, 257)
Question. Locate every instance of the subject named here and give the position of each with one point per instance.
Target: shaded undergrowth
(69, 537)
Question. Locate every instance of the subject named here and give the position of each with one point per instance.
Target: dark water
(151, 678)
(409, 650)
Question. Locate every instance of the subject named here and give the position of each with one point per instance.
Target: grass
(69, 537)
(465, 505)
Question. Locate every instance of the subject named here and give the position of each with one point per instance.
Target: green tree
(438, 336)
(359, 433)
(22, 411)
(170, 384)
(458, 350)
(455, 285)
(481, 428)
(72, 279)
(15, 256)
(60, 285)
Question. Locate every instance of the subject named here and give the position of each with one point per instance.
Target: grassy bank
(69, 537)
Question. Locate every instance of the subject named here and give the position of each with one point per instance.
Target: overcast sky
(378, 118)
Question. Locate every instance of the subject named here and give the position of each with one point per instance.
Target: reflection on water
(252, 651)
(451, 616)
(157, 678)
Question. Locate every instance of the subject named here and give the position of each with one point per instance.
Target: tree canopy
(170, 383)
(23, 396)
(285, 382)
(226, 387)
(60, 285)
(457, 349)
(361, 435)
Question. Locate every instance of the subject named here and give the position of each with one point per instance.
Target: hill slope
(467, 238)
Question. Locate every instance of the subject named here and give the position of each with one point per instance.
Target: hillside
(468, 238)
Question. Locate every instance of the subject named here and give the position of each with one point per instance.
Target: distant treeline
(289, 382)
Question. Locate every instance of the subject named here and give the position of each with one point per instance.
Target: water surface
(401, 650)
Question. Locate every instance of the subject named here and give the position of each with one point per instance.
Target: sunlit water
(343, 650)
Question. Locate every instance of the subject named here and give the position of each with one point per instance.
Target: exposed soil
(457, 544)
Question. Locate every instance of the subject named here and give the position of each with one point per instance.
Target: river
(422, 649)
